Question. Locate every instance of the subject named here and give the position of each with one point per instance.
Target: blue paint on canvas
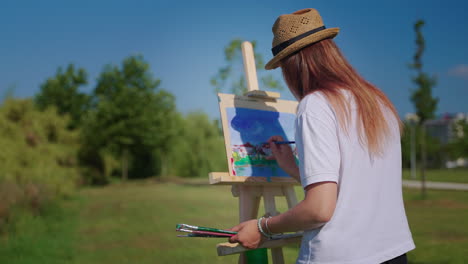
(248, 129)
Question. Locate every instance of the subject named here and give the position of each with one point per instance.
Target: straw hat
(295, 31)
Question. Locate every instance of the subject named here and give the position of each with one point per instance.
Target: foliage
(131, 118)
(422, 98)
(38, 157)
(232, 73)
(406, 146)
(436, 154)
(128, 125)
(459, 146)
(97, 165)
(62, 91)
(199, 148)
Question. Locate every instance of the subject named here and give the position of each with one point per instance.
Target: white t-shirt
(369, 225)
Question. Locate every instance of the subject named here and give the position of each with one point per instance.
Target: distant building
(445, 127)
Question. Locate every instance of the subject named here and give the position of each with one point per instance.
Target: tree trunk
(164, 165)
(423, 161)
(125, 165)
(413, 151)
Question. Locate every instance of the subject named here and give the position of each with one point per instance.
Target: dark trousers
(398, 260)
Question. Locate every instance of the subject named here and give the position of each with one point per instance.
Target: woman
(348, 142)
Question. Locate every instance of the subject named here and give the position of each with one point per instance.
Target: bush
(199, 148)
(38, 157)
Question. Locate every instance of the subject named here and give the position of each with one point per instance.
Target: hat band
(278, 48)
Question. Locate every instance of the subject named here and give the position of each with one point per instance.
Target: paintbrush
(207, 233)
(201, 228)
(280, 142)
(200, 235)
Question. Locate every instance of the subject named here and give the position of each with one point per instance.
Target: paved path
(437, 185)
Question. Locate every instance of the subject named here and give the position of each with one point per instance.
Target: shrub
(38, 157)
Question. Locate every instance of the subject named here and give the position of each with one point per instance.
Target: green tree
(232, 74)
(131, 118)
(421, 97)
(424, 103)
(62, 91)
(38, 159)
(200, 148)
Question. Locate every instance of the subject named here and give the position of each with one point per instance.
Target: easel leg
(290, 194)
(270, 208)
(249, 202)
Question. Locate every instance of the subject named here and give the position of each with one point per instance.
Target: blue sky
(184, 40)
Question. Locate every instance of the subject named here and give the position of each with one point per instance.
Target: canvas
(249, 129)
(247, 125)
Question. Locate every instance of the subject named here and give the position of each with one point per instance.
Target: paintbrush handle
(201, 228)
(280, 142)
(285, 142)
(205, 232)
(209, 229)
(200, 235)
(213, 233)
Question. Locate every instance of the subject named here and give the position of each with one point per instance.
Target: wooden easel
(251, 191)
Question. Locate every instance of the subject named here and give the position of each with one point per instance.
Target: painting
(247, 125)
(249, 129)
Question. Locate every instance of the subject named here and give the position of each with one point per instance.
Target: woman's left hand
(247, 235)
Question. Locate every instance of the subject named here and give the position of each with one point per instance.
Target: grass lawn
(47, 239)
(135, 223)
(439, 226)
(440, 175)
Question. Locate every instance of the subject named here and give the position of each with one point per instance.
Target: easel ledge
(227, 248)
(262, 94)
(223, 178)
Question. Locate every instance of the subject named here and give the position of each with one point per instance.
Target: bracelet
(259, 225)
(266, 226)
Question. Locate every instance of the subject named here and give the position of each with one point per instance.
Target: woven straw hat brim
(296, 46)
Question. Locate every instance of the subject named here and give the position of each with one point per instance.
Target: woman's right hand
(284, 156)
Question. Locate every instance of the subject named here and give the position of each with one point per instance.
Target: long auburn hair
(322, 67)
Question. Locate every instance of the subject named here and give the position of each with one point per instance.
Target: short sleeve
(317, 148)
